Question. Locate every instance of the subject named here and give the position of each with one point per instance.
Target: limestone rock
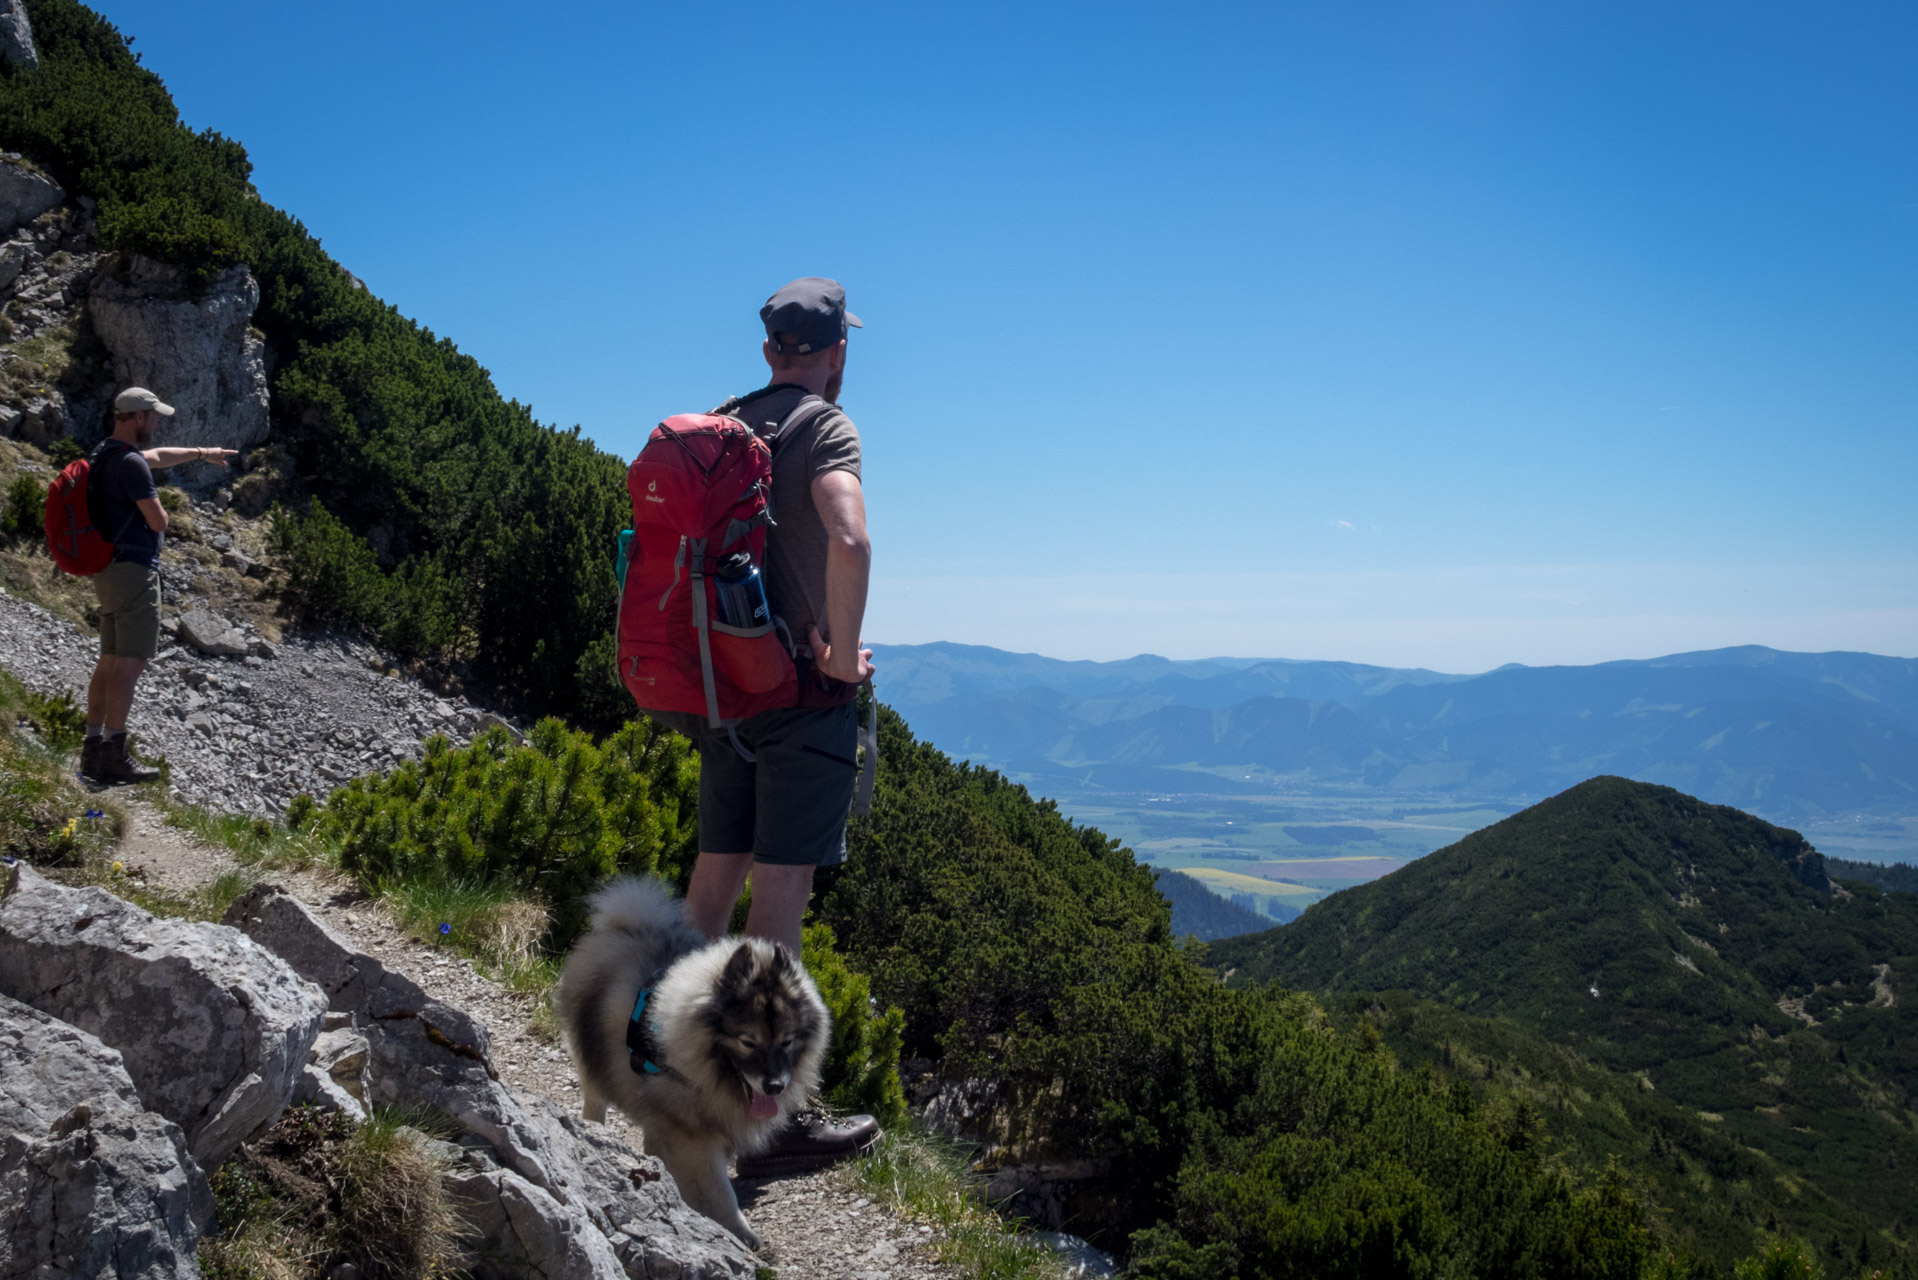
(213, 1029)
(335, 1074)
(25, 193)
(211, 634)
(14, 254)
(16, 36)
(315, 1087)
(513, 1228)
(91, 1183)
(194, 348)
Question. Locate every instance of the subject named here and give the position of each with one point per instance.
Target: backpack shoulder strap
(734, 404)
(808, 412)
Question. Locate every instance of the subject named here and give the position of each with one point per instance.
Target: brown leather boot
(118, 765)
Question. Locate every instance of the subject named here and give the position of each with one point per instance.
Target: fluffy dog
(732, 1036)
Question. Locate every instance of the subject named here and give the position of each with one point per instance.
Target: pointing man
(125, 506)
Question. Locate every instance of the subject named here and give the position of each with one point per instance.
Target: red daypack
(700, 491)
(73, 541)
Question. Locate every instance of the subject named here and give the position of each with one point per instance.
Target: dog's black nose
(776, 1084)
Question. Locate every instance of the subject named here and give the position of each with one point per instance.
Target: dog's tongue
(764, 1105)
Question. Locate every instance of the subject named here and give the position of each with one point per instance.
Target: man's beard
(832, 386)
(143, 434)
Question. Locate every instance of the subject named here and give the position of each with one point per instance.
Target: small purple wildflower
(445, 928)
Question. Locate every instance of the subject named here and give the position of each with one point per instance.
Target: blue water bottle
(742, 595)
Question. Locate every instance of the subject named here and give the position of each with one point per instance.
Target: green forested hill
(1700, 952)
(1245, 1132)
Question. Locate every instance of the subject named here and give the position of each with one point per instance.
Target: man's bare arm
(155, 514)
(160, 458)
(841, 504)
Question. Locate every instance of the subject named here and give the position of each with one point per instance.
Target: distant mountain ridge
(1788, 735)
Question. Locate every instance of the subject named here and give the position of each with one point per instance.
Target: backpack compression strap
(696, 564)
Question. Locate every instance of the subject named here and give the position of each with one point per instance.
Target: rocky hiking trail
(815, 1227)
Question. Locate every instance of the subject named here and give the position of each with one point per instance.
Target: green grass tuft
(253, 841)
(928, 1178)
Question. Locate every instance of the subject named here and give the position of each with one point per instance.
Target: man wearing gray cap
(125, 507)
(782, 814)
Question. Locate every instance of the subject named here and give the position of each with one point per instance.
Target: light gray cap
(134, 399)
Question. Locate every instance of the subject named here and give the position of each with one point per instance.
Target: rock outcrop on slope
(25, 192)
(16, 37)
(80, 323)
(213, 1028)
(193, 346)
(91, 1183)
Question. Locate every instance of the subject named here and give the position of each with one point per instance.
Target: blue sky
(1422, 334)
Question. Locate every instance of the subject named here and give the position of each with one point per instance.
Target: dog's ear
(783, 962)
(739, 969)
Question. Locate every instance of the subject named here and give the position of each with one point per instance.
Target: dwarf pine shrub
(552, 817)
(23, 507)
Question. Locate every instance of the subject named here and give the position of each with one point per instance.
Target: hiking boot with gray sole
(813, 1140)
(118, 765)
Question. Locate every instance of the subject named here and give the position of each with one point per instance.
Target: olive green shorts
(129, 596)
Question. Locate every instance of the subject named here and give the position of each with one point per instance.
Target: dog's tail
(636, 905)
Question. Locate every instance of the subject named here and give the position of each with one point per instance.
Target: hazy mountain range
(1787, 735)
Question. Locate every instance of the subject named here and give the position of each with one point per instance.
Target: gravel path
(815, 1227)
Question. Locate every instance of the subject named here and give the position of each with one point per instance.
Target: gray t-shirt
(795, 567)
(122, 480)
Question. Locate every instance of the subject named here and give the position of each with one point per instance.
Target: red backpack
(75, 544)
(700, 492)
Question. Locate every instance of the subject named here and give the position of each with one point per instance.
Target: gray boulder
(14, 257)
(25, 192)
(354, 982)
(546, 1191)
(192, 347)
(16, 36)
(334, 1077)
(513, 1228)
(211, 634)
(213, 1029)
(92, 1184)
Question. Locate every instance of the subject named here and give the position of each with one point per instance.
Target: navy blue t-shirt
(121, 478)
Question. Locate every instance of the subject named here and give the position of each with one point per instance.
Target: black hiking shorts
(788, 807)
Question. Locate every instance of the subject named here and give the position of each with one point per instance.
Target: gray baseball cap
(134, 399)
(812, 311)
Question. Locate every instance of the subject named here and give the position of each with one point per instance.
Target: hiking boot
(812, 1140)
(118, 765)
(90, 759)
